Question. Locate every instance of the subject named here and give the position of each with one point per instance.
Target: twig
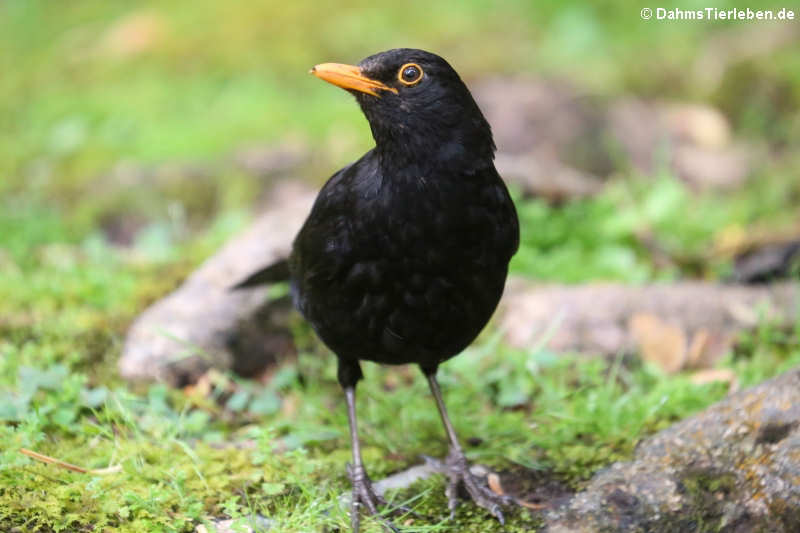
(53, 461)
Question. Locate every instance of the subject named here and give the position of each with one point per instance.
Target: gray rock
(402, 479)
(596, 318)
(700, 150)
(549, 136)
(556, 141)
(546, 178)
(247, 524)
(734, 467)
(203, 323)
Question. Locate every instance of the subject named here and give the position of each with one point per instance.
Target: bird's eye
(410, 74)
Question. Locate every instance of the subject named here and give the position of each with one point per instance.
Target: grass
(617, 234)
(76, 102)
(279, 452)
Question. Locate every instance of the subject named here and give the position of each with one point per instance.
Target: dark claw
(355, 516)
(498, 513)
(456, 468)
(364, 495)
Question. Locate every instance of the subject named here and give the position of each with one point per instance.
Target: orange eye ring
(410, 74)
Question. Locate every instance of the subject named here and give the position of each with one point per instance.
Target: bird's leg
(363, 493)
(456, 467)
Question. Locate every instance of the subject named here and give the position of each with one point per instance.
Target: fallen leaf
(707, 347)
(531, 505)
(701, 125)
(713, 375)
(660, 343)
(135, 33)
(494, 484)
(698, 345)
(202, 387)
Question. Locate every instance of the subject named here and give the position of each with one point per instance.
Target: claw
(456, 468)
(355, 516)
(498, 513)
(365, 495)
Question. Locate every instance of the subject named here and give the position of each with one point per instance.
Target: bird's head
(416, 105)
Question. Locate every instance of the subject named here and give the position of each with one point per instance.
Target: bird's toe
(364, 496)
(457, 470)
(485, 498)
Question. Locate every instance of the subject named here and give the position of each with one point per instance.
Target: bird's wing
(329, 199)
(324, 239)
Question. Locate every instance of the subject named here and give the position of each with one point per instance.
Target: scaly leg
(363, 493)
(456, 467)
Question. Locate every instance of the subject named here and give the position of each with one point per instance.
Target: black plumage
(404, 256)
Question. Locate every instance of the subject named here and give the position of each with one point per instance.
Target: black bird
(405, 253)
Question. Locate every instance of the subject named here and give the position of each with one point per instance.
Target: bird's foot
(457, 470)
(365, 496)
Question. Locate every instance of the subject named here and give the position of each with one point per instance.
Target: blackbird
(405, 253)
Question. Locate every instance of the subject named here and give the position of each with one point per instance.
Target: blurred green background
(88, 86)
(119, 126)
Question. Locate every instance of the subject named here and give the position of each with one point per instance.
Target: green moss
(184, 459)
(707, 488)
(429, 501)
(707, 492)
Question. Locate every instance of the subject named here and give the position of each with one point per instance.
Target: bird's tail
(274, 273)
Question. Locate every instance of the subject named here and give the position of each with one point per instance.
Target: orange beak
(349, 77)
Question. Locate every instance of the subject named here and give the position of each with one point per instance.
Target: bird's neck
(431, 154)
